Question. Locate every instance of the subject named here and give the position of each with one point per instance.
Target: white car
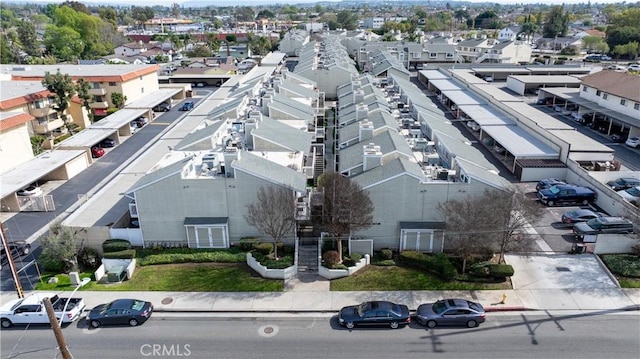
(633, 142)
(631, 194)
(634, 67)
(31, 191)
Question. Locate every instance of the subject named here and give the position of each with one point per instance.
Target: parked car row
(445, 312)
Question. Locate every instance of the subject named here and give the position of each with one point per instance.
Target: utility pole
(56, 329)
(12, 265)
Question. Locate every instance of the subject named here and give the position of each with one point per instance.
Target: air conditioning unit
(442, 174)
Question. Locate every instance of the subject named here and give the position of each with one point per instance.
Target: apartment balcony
(97, 92)
(100, 104)
(46, 127)
(303, 211)
(42, 111)
(489, 56)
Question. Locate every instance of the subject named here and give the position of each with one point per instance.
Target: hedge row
(125, 254)
(627, 265)
(189, 255)
(438, 264)
(487, 269)
(115, 245)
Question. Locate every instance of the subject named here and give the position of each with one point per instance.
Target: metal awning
(204, 221)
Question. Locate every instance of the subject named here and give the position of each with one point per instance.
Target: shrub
(338, 266)
(386, 254)
(500, 270)
(52, 264)
(438, 264)
(356, 257)
(264, 248)
(190, 255)
(349, 262)
(125, 254)
(331, 258)
(115, 245)
(626, 265)
(88, 258)
(248, 244)
(480, 270)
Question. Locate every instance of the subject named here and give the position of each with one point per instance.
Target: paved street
(540, 335)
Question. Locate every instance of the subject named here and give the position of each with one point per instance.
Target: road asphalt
(542, 282)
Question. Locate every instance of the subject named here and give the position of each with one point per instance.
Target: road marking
(528, 228)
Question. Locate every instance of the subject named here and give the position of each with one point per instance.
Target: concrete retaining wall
(265, 272)
(339, 273)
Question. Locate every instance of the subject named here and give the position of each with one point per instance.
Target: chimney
(362, 112)
(358, 95)
(372, 157)
(366, 130)
(250, 124)
(356, 84)
(230, 154)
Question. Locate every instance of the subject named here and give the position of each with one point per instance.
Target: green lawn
(390, 278)
(189, 277)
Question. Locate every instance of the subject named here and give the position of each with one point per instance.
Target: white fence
(265, 272)
(133, 235)
(110, 264)
(339, 273)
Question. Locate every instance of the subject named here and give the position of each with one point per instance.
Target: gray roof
(222, 110)
(285, 136)
(486, 174)
(192, 221)
(160, 174)
(260, 167)
(389, 142)
(292, 107)
(502, 45)
(397, 166)
(297, 89)
(379, 119)
(199, 137)
(471, 42)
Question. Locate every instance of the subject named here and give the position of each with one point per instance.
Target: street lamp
(82, 283)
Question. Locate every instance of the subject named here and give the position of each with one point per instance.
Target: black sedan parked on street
(374, 313)
(448, 312)
(121, 311)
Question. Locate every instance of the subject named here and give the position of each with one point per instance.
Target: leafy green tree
(7, 55)
(7, 18)
(36, 144)
(59, 249)
(82, 89)
(199, 51)
(28, 37)
(556, 23)
(118, 100)
(347, 20)
(230, 39)
(265, 14)
(63, 42)
(76, 6)
(245, 13)
(632, 50)
(622, 35)
(63, 88)
(528, 29)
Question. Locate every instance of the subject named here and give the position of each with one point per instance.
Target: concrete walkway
(538, 284)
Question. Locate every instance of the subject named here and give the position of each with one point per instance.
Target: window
(604, 97)
(142, 90)
(636, 106)
(111, 83)
(449, 55)
(95, 85)
(623, 102)
(584, 89)
(98, 99)
(598, 93)
(433, 55)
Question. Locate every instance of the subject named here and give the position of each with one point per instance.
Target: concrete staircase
(308, 258)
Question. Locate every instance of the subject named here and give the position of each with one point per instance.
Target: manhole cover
(268, 330)
(563, 269)
(166, 301)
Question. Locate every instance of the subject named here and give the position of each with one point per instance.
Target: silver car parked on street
(448, 312)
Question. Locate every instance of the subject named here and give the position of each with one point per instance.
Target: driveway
(559, 271)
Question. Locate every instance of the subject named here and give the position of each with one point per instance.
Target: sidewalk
(326, 301)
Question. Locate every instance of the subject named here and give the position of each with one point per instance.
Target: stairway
(308, 257)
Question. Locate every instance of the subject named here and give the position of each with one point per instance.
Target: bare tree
(346, 208)
(273, 213)
(496, 220)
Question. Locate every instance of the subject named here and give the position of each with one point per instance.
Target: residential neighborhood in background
(418, 105)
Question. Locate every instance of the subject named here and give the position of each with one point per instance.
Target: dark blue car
(187, 106)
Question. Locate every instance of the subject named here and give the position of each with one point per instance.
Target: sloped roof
(199, 136)
(389, 142)
(261, 167)
(619, 84)
(397, 167)
(285, 136)
(160, 174)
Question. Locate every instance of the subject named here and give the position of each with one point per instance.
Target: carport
(48, 166)
(460, 98)
(156, 97)
(86, 139)
(530, 84)
(486, 116)
(120, 121)
(520, 144)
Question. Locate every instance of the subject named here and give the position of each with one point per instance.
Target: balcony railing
(97, 92)
(101, 104)
(46, 127)
(42, 111)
